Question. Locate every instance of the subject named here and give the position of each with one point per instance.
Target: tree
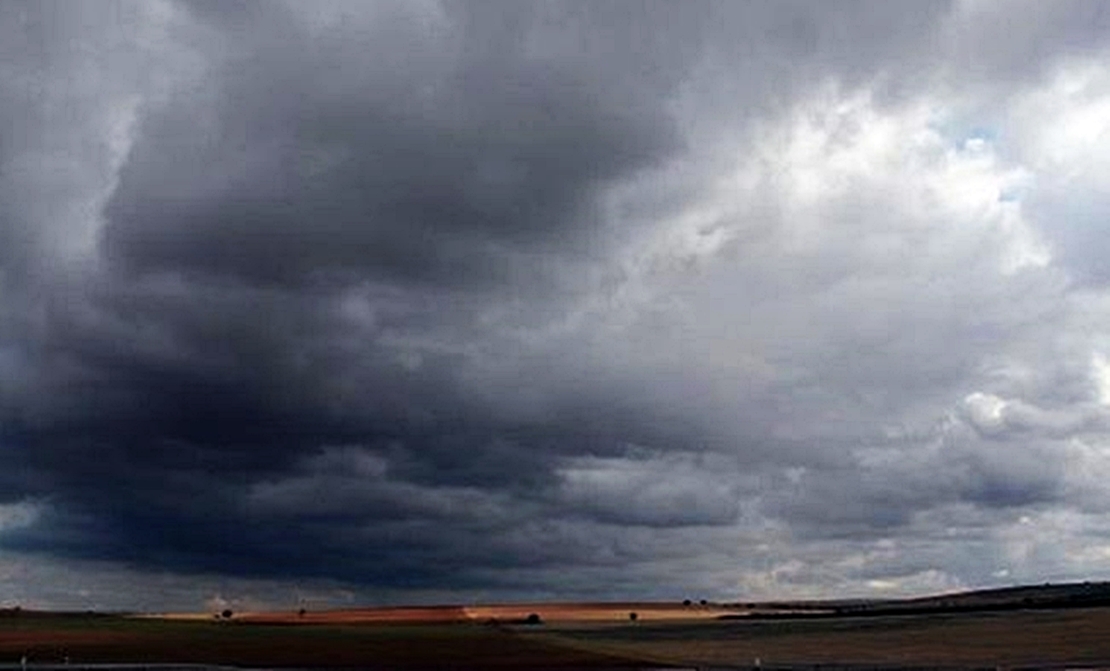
(632, 616)
(686, 602)
(227, 614)
(533, 618)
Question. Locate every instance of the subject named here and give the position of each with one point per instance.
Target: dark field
(123, 640)
(1014, 638)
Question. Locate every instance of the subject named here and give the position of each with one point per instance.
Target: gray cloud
(430, 299)
(309, 151)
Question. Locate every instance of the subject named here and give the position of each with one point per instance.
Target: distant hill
(1065, 595)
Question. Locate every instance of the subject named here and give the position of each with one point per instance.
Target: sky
(349, 303)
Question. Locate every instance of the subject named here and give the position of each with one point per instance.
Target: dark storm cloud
(406, 295)
(409, 147)
(371, 161)
(179, 399)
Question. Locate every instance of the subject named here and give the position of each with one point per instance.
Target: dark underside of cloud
(297, 253)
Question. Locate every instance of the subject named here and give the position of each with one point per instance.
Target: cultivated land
(1046, 626)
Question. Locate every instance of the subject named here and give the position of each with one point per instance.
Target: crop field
(571, 636)
(1006, 639)
(83, 640)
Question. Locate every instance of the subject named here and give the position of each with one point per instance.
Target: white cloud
(1100, 373)
(18, 515)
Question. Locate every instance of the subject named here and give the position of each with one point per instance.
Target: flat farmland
(503, 613)
(572, 636)
(1015, 638)
(119, 640)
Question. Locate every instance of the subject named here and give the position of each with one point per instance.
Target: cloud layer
(424, 301)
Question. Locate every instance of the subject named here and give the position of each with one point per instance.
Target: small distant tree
(633, 616)
(704, 602)
(226, 614)
(533, 618)
(301, 612)
(686, 602)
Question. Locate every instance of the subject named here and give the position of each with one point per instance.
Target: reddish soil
(406, 615)
(597, 612)
(504, 613)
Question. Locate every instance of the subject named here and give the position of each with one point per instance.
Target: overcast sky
(367, 302)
